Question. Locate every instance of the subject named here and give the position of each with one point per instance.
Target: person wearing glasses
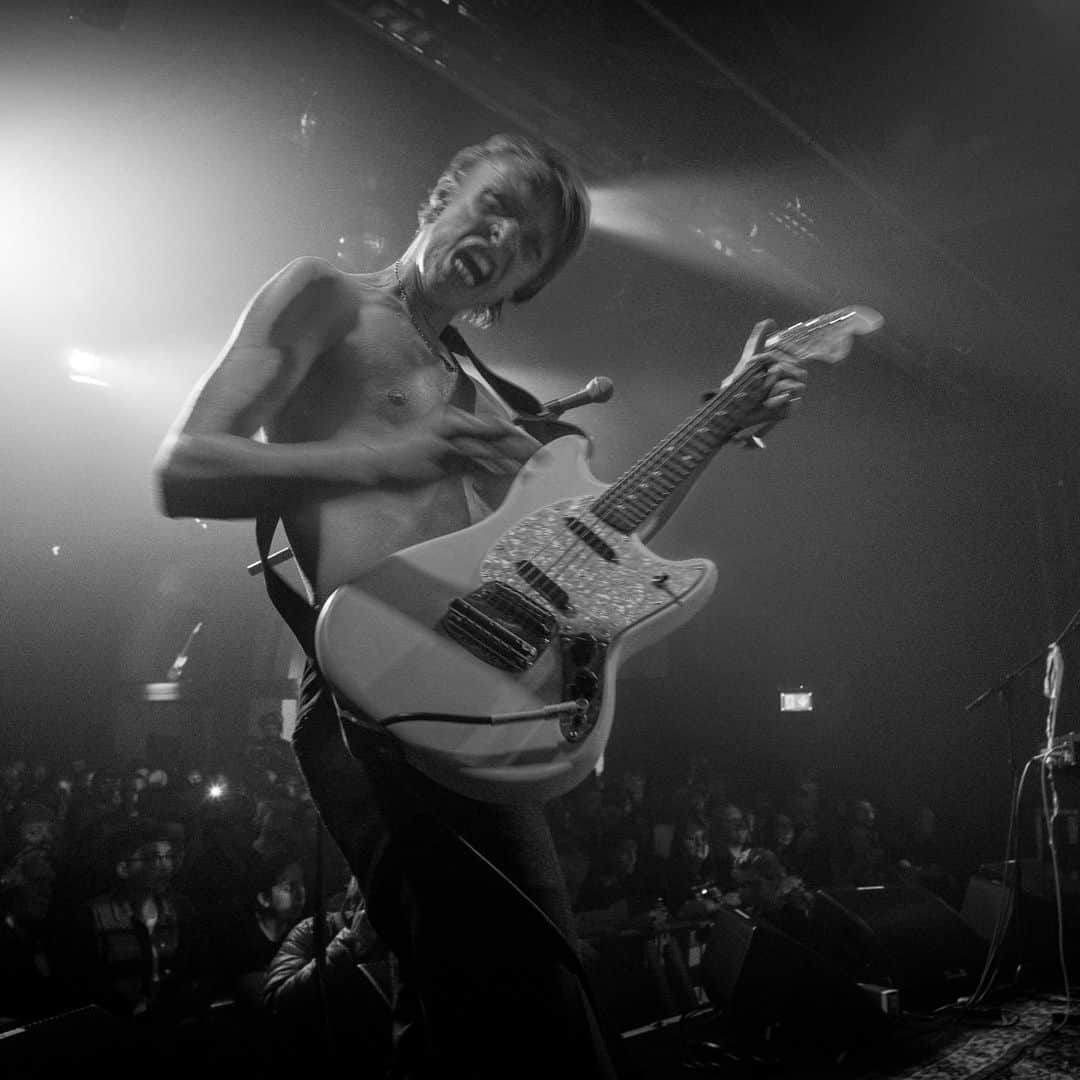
(139, 949)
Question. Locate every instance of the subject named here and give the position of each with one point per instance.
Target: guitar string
(662, 459)
(797, 336)
(578, 551)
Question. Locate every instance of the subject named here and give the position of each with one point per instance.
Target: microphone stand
(1006, 691)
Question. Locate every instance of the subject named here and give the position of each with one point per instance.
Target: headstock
(828, 337)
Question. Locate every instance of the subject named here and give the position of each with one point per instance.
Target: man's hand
(450, 440)
(502, 447)
(359, 936)
(786, 379)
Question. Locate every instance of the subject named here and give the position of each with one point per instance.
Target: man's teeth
(471, 277)
(464, 271)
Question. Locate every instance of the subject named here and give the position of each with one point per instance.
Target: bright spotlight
(86, 368)
(81, 362)
(630, 214)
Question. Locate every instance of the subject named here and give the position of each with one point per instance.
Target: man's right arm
(212, 465)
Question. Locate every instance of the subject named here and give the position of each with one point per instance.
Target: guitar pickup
(550, 590)
(596, 542)
(500, 626)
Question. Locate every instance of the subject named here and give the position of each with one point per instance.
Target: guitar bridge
(500, 626)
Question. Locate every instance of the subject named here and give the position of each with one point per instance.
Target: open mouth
(473, 267)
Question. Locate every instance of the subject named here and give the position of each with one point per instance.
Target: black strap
(299, 614)
(519, 399)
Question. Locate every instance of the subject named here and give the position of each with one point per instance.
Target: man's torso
(378, 378)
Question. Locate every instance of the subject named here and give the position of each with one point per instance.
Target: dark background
(904, 542)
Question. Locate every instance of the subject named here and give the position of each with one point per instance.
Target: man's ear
(122, 870)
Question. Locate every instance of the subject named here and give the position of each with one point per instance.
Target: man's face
(735, 827)
(37, 834)
(271, 727)
(109, 790)
(494, 237)
(696, 842)
(151, 867)
(287, 895)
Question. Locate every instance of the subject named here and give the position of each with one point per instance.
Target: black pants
(488, 983)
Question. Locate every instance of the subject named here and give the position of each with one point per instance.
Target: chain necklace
(447, 362)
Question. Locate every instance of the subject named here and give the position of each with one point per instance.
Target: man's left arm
(787, 381)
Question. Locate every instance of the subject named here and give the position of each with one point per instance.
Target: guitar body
(384, 643)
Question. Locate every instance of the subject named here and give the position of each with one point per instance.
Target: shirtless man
(376, 439)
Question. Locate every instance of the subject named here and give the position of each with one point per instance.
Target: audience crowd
(199, 915)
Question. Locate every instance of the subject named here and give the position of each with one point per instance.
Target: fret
(644, 488)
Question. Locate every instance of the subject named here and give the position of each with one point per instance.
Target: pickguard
(604, 595)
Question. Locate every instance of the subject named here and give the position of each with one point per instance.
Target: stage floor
(1020, 1037)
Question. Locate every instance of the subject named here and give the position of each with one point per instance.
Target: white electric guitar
(492, 652)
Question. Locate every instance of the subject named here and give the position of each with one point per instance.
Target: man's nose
(504, 232)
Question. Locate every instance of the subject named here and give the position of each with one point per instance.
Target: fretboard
(644, 488)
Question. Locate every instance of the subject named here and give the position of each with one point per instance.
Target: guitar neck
(647, 485)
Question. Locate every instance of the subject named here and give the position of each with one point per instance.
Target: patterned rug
(1028, 1043)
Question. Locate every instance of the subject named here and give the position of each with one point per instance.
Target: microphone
(593, 392)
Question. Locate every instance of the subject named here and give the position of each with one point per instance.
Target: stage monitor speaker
(62, 1046)
(988, 907)
(991, 895)
(768, 984)
(905, 937)
(641, 977)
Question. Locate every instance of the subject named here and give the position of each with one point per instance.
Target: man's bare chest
(379, 376)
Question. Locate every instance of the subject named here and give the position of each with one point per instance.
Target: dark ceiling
(933, 145)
